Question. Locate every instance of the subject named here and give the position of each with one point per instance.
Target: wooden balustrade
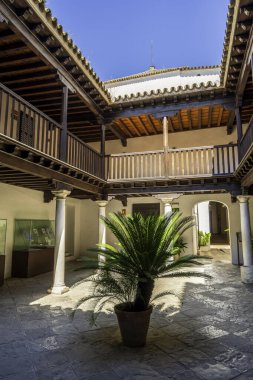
(247, 140)
(21, 121)
(174, 163)
(83, 156)
(26, 124)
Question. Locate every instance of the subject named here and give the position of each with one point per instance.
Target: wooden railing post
(64, 123)
(239, 130)
(102, 150)
(165, 145)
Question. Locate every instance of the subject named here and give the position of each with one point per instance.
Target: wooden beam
(169, 109)
(102, 149)
(170, 124)
(143, 125)
(179, 119)
(210, 111)
(21, 164)
(189, 118)
(220, 117)
(199, 118)
(151, 124)
(118, 133)
(37, 46)
(64, 124)
(134, 127)
(230, 122)
(238, 124)
(124, 127)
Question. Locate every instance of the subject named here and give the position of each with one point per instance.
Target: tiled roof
(168, 91)
(66, 41)
(153, 72)
(227, 38)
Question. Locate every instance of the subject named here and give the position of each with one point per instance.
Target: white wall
(202, 137)
(19, 203)
(89, 218)
(203, 216)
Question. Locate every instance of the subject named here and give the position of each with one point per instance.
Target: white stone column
(102, 228)
(59, 250)
(247, 268)
(165, 133)
(167, 200)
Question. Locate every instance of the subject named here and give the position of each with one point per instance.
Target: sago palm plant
(145, 252)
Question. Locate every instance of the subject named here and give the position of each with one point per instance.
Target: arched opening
(212, 232)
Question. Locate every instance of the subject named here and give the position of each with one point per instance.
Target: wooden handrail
(169, 150)
(24, 123)
(214, 160)
(29, 105)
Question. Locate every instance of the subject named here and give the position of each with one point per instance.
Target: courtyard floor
(210, 336)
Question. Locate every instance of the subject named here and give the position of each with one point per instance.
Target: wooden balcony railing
(83, 157)
(247, 140)
(22, 122)
(221, 160)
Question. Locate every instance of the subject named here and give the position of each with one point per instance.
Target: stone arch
(228, 221)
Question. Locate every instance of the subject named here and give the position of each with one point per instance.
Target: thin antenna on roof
(152, 65)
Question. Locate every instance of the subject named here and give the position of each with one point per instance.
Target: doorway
(212, 230)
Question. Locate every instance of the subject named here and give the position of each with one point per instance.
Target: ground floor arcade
(83, 230)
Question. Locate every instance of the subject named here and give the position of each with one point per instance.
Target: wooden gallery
(73, 148)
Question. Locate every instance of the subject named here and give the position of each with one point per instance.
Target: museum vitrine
(33, 250)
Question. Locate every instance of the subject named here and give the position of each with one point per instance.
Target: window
(25, 128)
(147, 208)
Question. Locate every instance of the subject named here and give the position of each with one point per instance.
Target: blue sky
(116, 35)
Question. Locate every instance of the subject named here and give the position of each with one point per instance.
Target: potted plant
(126, 277)
(204, 240)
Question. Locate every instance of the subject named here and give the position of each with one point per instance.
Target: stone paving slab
(208, 337)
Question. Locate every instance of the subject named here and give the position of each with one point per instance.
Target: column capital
(243, 198)
(61, 194)
(102, 203)
(167, 198)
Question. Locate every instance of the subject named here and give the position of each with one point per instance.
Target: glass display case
(3, 226)
(33, 249)
(33, 234)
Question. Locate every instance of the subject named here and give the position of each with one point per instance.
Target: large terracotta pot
(2, 267)
(133, 325)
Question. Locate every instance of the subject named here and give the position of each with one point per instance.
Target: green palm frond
(146, 249)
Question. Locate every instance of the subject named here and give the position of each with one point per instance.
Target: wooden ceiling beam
(19, 60)
(143, 125)
(125, 128)
(220, 116)
(170, 124)
(189, 118)
(29, 80)
(8, 51)
(30, 86)
(25, 166)
(210, 112)
(151, 124)
(179, 119)
(22, 70)
(21, 29)
(230, 122)
(118, 134)
(118, 126)
(136, 130)
(199, 118)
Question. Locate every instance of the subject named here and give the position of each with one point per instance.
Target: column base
(58, 290)
(247, 274)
